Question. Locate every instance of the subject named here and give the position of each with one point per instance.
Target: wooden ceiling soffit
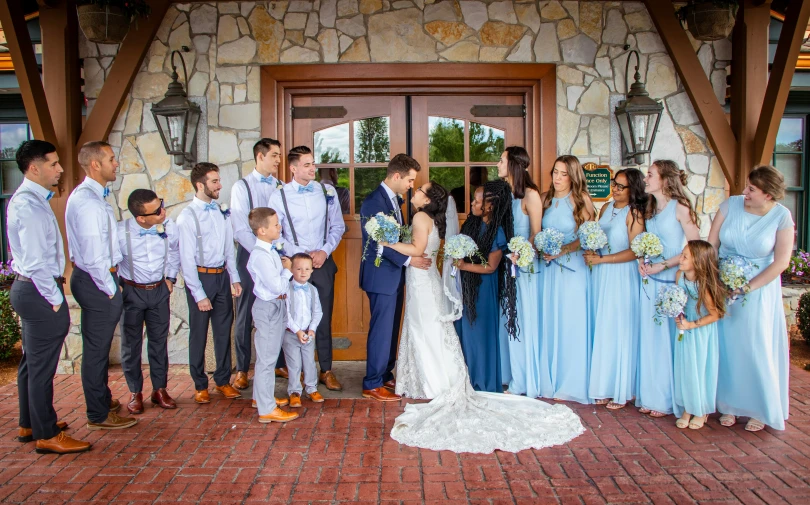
(700, 91)
(124, 69)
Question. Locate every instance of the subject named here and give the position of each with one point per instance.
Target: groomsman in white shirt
(312, 223)
(149, 244)
(93, 243)
(208, 263)
(253, 190)
(37, 296)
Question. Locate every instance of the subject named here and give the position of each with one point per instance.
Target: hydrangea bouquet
(381, 228)
(459, 247)
(736, 272)
(647, 245)
(549, 241)
(592, 238)
(670, 302)
(525, 255)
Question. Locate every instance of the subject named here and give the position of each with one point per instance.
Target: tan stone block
(691, 142)
(553, 10)
(129, 160)
(150, 85)
(566, 29)
(590, 20)
(463, 51)
(527, 15)
(133, 124)
(448, 33)
(716, 177)
(130, 184)
(712, 198)
(236, 52)
(153, 153)
(174, 189)
(495, 33)
(298, 54)
(295, 36)
(488, 53)
(370, 6)
(358, 51)
(398, 36)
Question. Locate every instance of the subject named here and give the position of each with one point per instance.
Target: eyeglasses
(619, 187)
(158, 212)
(423, 191)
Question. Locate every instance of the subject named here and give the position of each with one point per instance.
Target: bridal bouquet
(736, 272)
(670, 302)
(381, 228)
(592, 238)
(549, 241)
(647, 245)
(525, 255)
(459, 247)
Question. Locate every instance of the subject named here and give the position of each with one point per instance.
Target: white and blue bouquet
(592, 238)
(670, 302)
(459, 247)
(736, 272)
(525, 255)
(647, 245)
(549, 241)
(382, 228)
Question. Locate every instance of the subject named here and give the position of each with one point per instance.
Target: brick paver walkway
(340, 452)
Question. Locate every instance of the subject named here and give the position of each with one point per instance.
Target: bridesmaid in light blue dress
(696, 353)
(527, 212)
(670, 216)
(754, 362)
(565, 348)
(615, 287)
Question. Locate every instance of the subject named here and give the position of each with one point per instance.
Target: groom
(385, 284)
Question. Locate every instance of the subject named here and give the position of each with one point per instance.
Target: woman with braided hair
(490, 225)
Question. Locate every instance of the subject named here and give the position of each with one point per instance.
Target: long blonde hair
(673, 179)
(578, 187)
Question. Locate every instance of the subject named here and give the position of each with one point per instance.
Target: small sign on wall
(598, 178)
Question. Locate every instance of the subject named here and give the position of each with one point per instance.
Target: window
(11, 136)
(789, 157)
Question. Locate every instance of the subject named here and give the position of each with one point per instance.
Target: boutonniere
(225, 210)
(279, 247)
(279, 184)
(161, 231)
(330, 195)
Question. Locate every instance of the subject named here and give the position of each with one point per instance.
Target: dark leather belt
(128, 282)
(209, 270)
(59, 280)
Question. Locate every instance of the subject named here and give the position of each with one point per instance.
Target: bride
(430, 364)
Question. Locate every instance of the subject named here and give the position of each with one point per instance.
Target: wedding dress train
(430, 364)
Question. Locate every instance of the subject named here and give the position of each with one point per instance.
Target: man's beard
(210, 194)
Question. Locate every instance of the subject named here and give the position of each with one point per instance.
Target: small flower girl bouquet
(381, 228)
(670, 302)
(459, 247)
(647, 245)
(736, 272)
(525, 255)
(592, 238)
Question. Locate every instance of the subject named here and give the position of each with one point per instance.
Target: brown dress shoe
(114, 405)
(278, 416)
(295, 401)
(315, 397)
(61, 444)
(201, 396)
(282, 372)
(113, 422)
(390, 385)
(135, 405)
(162, 399)
(381, 395)
(228, 391)
(25, 435)
(329, 380)
(280, 402)
(241, 381)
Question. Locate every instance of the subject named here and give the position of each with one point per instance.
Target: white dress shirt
(304, 311)
(148, 251)
(270, 278)
(308, 213)
(91, 233)
(397, 212)
(217, 244)
(36, 244)
(261, 188)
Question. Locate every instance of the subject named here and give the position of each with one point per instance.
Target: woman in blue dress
(565, 348)
(615, 288)
(754, 362)
(524, 333)
(484, 285)
(696, 353)
(672, 218)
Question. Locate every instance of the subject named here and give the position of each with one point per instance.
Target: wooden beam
(124, 69)
(782, 70)
(12, 18)
(700, 91)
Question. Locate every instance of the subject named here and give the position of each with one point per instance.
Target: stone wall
(790, 300)
(230, 41)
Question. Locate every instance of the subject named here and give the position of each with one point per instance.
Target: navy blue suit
(384, 286)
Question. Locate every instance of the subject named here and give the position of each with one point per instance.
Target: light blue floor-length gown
(696, 359)
(754, 362)
(565, 349)
(614, 315)
(654, 387)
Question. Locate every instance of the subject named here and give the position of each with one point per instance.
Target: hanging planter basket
(105, 25)
(709, 20)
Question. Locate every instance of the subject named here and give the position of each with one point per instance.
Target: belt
(281, 297)
(141, 286)
(59, 280)
(112, 269)
(210, 270)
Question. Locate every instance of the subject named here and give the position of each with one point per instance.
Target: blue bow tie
(150, 231)
(106, 192)
(267, 180)
(50, 195)
(211, 206)
(306, 189)
(302, 287)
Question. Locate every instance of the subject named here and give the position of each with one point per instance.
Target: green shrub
(803, 316)
(10, 332)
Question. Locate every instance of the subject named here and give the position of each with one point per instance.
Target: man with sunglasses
(149, 242)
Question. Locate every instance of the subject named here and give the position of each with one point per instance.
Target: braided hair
(498, 196)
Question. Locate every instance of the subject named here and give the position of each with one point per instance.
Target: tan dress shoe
(315, 397)
(278, 416)
(280, 402)
(295, 401)
(25, 435)
(114, 405)
(283, 373)
(390, 385)
(201, 396)
(241, 381)
(329, 380)
(381, 395)
(135, 405)
(61, 444)
(162, 399)
(228, 391)
(113, 422)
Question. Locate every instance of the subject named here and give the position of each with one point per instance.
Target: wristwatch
(173, 280)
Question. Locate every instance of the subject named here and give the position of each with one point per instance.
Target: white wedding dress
(430, 365)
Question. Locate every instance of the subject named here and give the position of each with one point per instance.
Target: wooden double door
(457, 139)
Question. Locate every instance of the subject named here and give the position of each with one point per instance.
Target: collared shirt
(148, 251)
(240, 205)
(270, 278)
(304, 311)
(217, 244)
(308, 214)
(36, 244)
(398, 212)
(91, 233)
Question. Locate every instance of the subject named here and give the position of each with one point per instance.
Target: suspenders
(129, 253)
(290, 221)
(109, 224)
(250, 195)
(200, 252)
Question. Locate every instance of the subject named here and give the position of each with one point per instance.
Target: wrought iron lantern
(638, 116)
(177, 118)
